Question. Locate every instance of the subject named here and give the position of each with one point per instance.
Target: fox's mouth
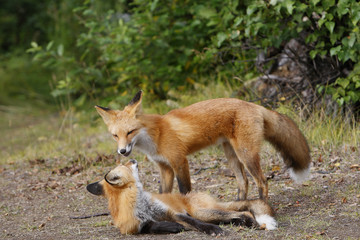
(127, 154)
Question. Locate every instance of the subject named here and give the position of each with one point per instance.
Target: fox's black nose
(122, 151)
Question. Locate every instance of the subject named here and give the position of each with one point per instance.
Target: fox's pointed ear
(105, 113)
(134, 107)
(116, 179)
(95, 188)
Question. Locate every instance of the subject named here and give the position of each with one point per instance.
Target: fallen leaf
(41, 225)
(53, 184)
(276, 168)
(320, 158)
(344, 200)
(37, 161)
(320, 233)
(355, 166)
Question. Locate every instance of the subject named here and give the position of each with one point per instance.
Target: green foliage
(23, 21)
(331, 29)
(346, 90)
(161, 45)
(21, 79)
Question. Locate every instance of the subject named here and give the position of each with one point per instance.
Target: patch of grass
(325, 130)
(37, 133)
(101, 223)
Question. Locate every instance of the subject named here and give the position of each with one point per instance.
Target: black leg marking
(246, 221)
(207, 228)
(162, 227)
(182, 187)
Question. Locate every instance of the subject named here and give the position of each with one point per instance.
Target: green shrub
(161, 45)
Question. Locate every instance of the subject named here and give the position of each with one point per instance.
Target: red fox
(136, 211)
(238, 125)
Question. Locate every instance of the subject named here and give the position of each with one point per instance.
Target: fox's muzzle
(125, 151)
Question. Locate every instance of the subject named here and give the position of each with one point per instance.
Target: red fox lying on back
(239, 126)
(136, 211)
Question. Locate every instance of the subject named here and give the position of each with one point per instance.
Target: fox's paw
(246, 221)
(211, 229)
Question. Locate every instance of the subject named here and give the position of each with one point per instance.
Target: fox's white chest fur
(146, 145)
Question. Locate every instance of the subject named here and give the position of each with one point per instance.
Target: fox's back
(211, 121)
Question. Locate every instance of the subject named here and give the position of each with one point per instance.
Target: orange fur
(240, 126)
(132, 208)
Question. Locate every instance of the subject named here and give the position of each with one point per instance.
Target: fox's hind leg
(248, 154)
(256, 206)
(238, 169)
(262, 211)
(217, 216)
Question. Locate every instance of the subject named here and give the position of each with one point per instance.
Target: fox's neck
(148, 137)
(122, 205)
(152, 123)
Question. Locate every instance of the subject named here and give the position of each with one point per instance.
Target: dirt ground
(39, 196)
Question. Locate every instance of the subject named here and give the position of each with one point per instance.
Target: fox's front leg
(161, 227)
(180, 166)
(167, 178)
(193, 223)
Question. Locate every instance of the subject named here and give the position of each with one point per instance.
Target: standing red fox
(239, 126)
(136, 211)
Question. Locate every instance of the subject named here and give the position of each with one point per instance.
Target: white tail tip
(269, 221)
(301, 175)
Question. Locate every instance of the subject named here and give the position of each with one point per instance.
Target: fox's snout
(125, 151)
(122, 151)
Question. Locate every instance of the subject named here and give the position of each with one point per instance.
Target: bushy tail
(286, 137)
(263, 213)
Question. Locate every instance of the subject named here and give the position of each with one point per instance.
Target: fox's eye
(130, 132)
(115, 136)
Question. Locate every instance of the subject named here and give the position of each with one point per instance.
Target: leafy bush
(160, 45)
